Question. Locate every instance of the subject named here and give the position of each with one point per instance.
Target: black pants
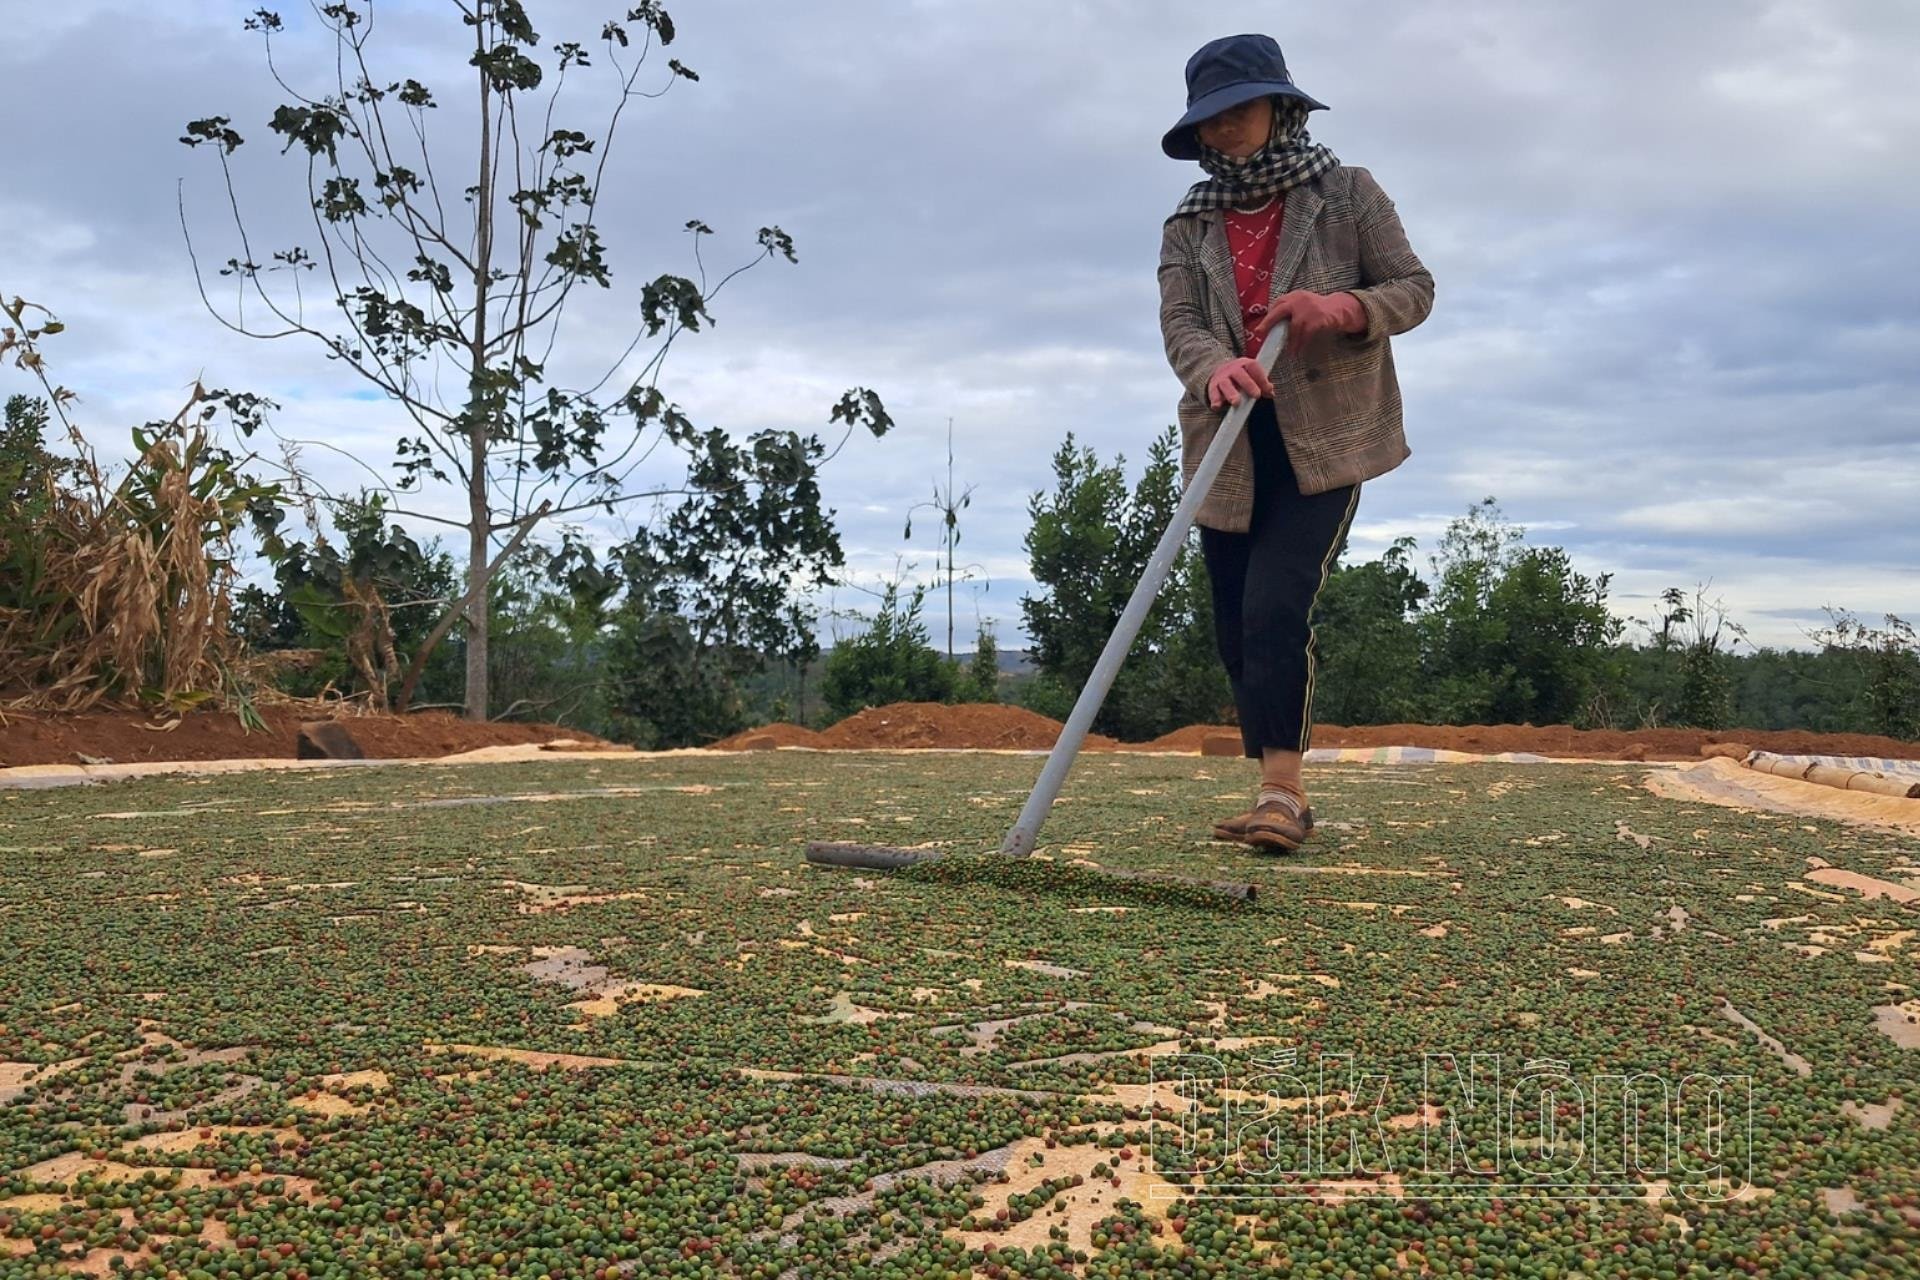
(1265, 583)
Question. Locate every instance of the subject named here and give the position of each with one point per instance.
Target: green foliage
(480, 286)
(1184, 682)
(1687, 674)
(26, 467)
(1795, 689)
(363, 598)
(716, 589)
(1557, 633)
(892, 660)
(547, 654)
(1513, 635)
(1367, 641)
(1887, 660)
(662, 641)
(119, 586)
(1088, 546)
(981, 680)
(1706, 690)
(670, 691)
(1502, 631)
(750, 540)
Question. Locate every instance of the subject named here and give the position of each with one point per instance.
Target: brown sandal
(1235, 829)
(1276, 827)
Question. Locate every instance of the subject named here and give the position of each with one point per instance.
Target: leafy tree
(432, 288)
(1888, 661)
(1797, 689)
(1078, 546)
(549, 652)
(363, 597)
(668, 691)
(717, 587)
(981, 683)
(1088, 546)
(26, 466)
(741, 553)
(1367, 641)
(890, 661)
(1706, 685)
(1514, 634)
(1687, 675)
(1459, 633)
(1179, 679)
(1557, 635)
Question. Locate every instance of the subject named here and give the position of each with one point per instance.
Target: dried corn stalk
(122, 590)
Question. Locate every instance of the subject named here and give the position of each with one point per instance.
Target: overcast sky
(1676, 326)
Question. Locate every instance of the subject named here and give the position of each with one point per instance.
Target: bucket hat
(1224, 73)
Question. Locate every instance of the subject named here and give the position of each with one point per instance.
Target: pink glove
(1236, 378)
(1310, 316)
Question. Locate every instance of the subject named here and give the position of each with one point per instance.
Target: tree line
(448, 295)
(706, 622)
(1496, 630)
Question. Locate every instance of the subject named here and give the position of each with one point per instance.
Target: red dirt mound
(931, 724)
(129, 737)
(1187, 739)
(783, 735)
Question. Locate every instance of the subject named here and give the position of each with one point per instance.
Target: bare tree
(947, 503)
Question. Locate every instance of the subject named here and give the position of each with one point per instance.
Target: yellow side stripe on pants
(1326, 569)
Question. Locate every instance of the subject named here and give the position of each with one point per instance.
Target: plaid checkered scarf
(1290, 159)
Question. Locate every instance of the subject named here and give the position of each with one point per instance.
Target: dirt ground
(124, 737)
(128, 737)
(931, 724)
(923, 724)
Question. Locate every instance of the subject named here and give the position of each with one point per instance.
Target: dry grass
(132, 590)
(118, 588)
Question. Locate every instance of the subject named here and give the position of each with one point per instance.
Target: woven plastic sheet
(1416, 755)
(1856, 764)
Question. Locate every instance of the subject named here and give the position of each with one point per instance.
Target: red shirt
(1253, 238)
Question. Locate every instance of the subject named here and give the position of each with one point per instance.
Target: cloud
(1674, 330)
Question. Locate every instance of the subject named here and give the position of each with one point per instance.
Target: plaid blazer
(1338, 403)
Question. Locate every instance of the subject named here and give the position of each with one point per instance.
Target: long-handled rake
(1020, 840)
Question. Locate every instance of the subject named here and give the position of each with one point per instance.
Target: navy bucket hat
(1224, 73)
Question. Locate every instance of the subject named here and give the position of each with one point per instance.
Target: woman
(1279, 231)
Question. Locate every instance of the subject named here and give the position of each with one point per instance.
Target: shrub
(891, 661)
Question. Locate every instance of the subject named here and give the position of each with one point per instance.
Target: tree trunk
(479, 514)
(477, 595)
(459, 609)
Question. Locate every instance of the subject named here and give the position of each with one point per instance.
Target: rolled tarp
(1845, 777)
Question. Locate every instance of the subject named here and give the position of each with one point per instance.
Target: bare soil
(776, 735)
(130, 736)
(925, 724)
(931, 724)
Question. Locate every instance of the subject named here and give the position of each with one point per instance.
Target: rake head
(1023, 872)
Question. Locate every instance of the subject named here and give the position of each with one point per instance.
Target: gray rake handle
(1025, 833)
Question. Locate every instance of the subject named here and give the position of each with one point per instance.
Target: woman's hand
(1311, 315)
(1236, 378)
